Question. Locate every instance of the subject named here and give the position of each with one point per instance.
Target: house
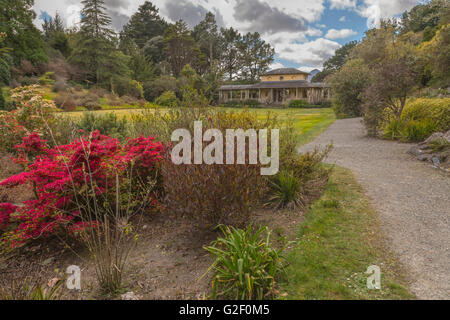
(278, 86)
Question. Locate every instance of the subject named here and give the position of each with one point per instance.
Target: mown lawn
(310, 123)
(339, 239)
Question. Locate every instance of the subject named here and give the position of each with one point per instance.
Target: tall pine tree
(16, 20)
(95, 46)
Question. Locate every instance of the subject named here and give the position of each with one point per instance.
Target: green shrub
(298, 104)
(246, 266)
(46, 79)
(241, 104)
(301, 179)
(2, 100)
(285, 190)
(436, 110)
(410, 130)
(416, 131)
(393, 130)
(108, 124)
(348, 83)
(168, 99)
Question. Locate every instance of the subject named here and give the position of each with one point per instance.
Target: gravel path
(411, 198)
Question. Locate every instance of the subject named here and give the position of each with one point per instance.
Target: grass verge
(339, 239)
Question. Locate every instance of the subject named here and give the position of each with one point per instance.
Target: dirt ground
(168, 262)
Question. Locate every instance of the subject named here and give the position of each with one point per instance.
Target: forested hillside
(143, 60)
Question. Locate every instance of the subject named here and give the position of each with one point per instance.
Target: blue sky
(304, 33)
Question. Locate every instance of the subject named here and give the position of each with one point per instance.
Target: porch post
(296, 93)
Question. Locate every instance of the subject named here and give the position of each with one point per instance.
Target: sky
(304, 33)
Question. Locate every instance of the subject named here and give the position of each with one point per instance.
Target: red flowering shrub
(66, 179)
(5, 212)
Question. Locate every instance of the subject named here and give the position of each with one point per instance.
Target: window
(281, 78)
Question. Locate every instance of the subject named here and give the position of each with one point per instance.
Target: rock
(424, 157)
(129, 296)
(434, 137)
(415, 151)
(446, 136)
(436, 161)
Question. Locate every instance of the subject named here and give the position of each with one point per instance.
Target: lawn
(336, 243)
(310, 123)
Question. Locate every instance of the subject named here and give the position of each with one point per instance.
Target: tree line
(145, 58)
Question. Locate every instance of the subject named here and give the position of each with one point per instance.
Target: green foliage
(256, 56)
(180, 47)
(302, 177)
(421, 117)
(299, 104)
(231, 53)
(5, 61)
(94, 50)
(410, 130)
(2, 100)
(423, 17)
(285, 190)
(108, 124)
(336, 62)
(28, 289)
(168, 99)
(246, 265)
(348, 84)
(208, 38)
(415, 131)
(143, 26)
(16, 20)
(241, 104)
(46, 79)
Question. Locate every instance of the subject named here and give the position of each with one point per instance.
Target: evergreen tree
(180, 47)
(231, 56)
(55, 35)
(256, 56)
(95, 46)
(208, 38)
(16, 20)
(144, 25)
(2, 100)
(5, 61)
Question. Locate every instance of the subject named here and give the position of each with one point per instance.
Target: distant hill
(312, 74)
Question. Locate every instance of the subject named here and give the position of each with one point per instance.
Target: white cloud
(374, 10)
(312, 53)
(340, 34)
(342, 4)
(342, 19)
(307, 69)
(276, 65)
(305, 9)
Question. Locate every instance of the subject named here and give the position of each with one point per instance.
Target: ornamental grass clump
(246, 266)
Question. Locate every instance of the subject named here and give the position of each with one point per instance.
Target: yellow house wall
(288, 77)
